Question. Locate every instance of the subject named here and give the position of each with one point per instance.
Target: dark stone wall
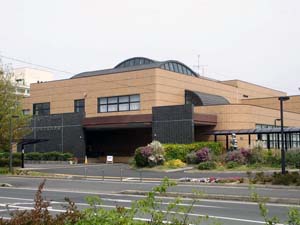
(63, 131)
(173, 124)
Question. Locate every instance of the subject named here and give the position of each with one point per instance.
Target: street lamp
(10, 143)
(282, 99)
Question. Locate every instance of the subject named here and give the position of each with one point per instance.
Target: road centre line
(145, 183)
(105, 199)
(158, 197)
(151, 183)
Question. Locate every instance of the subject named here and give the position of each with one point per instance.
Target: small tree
(10, 106)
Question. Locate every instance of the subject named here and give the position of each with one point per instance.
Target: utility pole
(282, 99)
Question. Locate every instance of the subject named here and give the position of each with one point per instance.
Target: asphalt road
(110, 186)
(21, 195)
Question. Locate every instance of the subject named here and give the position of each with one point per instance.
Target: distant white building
(23, 77)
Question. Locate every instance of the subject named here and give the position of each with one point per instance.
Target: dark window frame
(79, 108)
(118, 103)
(42, 108)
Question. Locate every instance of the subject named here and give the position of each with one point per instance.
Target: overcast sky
(253, 40)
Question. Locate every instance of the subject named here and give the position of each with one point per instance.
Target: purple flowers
(146, 151)
(203, 155)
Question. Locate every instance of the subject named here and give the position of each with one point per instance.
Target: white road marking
(105, 199)
(171, 212)
(158, 197)
(197, 185)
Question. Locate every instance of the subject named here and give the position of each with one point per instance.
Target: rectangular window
(26, 111)
(119, 103)
(79, 105)
(41, 109)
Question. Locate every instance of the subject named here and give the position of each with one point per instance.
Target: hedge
(49, 156)
(4, 162)
(180, 151)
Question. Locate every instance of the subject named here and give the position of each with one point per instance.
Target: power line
(29, 63)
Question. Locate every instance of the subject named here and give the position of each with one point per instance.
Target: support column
(249, 139)
(227, 144)
(268, 141)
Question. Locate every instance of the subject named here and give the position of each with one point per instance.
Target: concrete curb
(218, 197)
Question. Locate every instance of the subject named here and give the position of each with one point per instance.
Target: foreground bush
(150, 207)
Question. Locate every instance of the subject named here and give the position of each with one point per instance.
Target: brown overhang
(146, 119)
(205, 119)
(116, 120)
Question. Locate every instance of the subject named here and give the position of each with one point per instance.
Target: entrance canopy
(30, 141)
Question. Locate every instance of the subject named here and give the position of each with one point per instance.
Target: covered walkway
(271, 136)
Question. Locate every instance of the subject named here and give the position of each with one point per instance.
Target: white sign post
(109, 159)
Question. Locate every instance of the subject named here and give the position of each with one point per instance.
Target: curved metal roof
(204, 99)
(139, 63)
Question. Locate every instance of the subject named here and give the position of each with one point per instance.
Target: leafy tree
(10, 110)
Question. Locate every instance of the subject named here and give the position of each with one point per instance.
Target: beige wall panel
(252, 90)
(170, 81)
(61, 94)
(292, 105)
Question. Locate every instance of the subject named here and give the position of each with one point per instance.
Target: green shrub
(293, 157)
(208, 165)
(4, 170)
(140, 160)
(191, 158)
(4, 155)
(66, 156)
(52, 156)
(286, 179)
(33, 156)
(232, 164)
(4, 162)
(257, 155)
(180, 151)
(272, 157)
(49, 156)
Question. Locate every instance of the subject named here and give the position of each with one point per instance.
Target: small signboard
(109, 159)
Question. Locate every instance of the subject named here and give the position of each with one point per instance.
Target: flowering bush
(203, 155)
(146, 151)
(150, 155)
(246, 153)
(175, 163)
(235, 156)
